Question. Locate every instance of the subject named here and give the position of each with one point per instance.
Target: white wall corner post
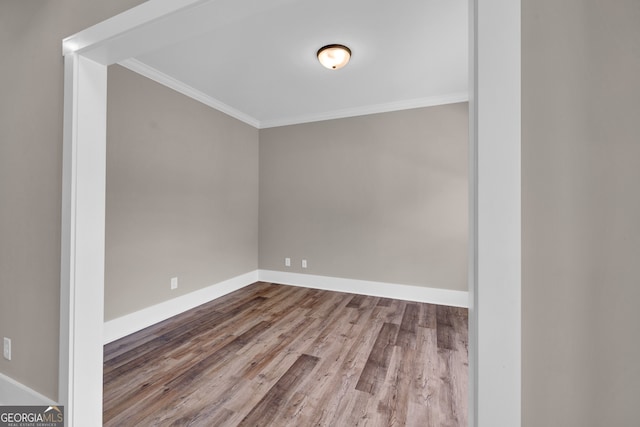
(83, 238)
(495, 268)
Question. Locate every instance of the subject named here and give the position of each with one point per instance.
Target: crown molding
(368, 109)
(175, 84)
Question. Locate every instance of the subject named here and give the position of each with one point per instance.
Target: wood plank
(384, 302)
(218, 356)
(396, 311)
(391, 408)
(334, 385)
(444, 325)
(356, 301)
(423, 408)
(407, 332)
(267, 409)
(378, 362)
(361, 313)
(427, 316)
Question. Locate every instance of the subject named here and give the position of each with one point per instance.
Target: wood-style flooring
(275, 355)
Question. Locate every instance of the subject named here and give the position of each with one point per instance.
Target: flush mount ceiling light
(334, 56)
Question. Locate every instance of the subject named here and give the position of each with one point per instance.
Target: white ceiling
(260, 64)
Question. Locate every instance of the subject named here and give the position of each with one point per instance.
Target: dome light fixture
(334, 56)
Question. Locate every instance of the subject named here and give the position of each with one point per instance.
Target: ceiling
(259, 63)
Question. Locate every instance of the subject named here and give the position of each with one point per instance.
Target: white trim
(368, 109)
(134, 322)
(168, 81)
(495, 311)
(472, 261)
(367, 287)
(114, 27)
(82, 246)
(13, 392)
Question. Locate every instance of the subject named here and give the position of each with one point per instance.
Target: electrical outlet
(287, 262)
(6, 349)
(174, 283)
(304, 263)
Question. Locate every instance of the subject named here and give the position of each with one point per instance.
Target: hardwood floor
(275, 355)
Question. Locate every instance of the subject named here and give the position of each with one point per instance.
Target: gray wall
(581, 212)
(31, 75)
(380, 197)
(182, 194)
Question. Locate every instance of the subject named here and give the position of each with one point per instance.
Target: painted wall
(182, 194)
(31, 84)
(581, 212)
(380, 197)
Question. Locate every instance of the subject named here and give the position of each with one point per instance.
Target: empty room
(237, 198)
(336, 195)
(307, 224)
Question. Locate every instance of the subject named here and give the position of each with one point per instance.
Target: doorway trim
(495, 242)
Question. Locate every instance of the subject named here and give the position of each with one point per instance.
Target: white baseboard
(366, 287)
(134, 322)
(14, 393)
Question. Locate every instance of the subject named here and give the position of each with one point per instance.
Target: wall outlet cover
(6, 348)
